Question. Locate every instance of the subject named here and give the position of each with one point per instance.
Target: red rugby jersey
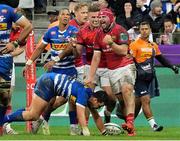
(86, 37)
(120, 36)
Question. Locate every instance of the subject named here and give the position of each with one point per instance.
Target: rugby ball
(113, 129)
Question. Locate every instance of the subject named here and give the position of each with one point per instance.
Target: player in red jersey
(85, 38)
(81, 13)
(112, 41)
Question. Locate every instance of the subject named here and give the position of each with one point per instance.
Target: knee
(127, 88)
(4, 97)
(145, 101)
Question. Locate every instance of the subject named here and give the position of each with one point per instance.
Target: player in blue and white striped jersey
(59, 38)
(8, 16)
(50, 85)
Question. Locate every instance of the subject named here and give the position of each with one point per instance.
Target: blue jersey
(59, 41)
(52, 84)
(8, 15)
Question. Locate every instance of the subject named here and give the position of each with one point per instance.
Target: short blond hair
(80, 5)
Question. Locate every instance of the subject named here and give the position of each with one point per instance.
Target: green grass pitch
(61, 133)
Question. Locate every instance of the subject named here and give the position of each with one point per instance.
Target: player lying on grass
(50, 85)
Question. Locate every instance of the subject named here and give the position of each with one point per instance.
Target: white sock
(74, 125)
(151, 122)
(7, 125)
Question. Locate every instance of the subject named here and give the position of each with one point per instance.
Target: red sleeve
(123, 36)
(80, 37)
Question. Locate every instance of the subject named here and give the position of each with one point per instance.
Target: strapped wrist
(21, 43)
(29, 62)
(56, 59)
(15, 43)
(110, 43)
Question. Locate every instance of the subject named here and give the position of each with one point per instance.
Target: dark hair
(168, 20)
(101, 96)
(12, 3)
(145, 23)
(132, 4)
(94, 7)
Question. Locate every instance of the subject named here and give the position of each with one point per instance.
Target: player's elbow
(29, 26)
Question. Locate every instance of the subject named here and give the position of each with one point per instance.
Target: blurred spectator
(130, 16)
(155, 17)
(53, 2)
(175, 13)
(12, 3)
(40, 6)
(134, 32)
(169, 30)
(143, 6)
(72, 4)
(167, 6)
(53, 15)
(110, 4)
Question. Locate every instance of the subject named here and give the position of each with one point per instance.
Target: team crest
(4, 11)
(124, 37)
(53, 33)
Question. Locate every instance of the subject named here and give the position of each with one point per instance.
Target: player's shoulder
(5, 9)
(72, 27)
(53, 28)
(3, 6)
(119, 27)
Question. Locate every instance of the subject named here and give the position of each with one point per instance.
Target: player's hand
(48, 66)
(73, 42)
(24, 70)
(89, 83)
(85, 131)
(108, 39)
(175, 69)
(8, 48)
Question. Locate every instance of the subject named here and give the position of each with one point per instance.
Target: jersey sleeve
(46, 37)
(15, 16)
(82, 99)
(123, 36)
(157, 50)
(74, 32)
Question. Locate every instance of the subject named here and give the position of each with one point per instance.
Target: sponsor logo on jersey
(58, 47)
(3, 26)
